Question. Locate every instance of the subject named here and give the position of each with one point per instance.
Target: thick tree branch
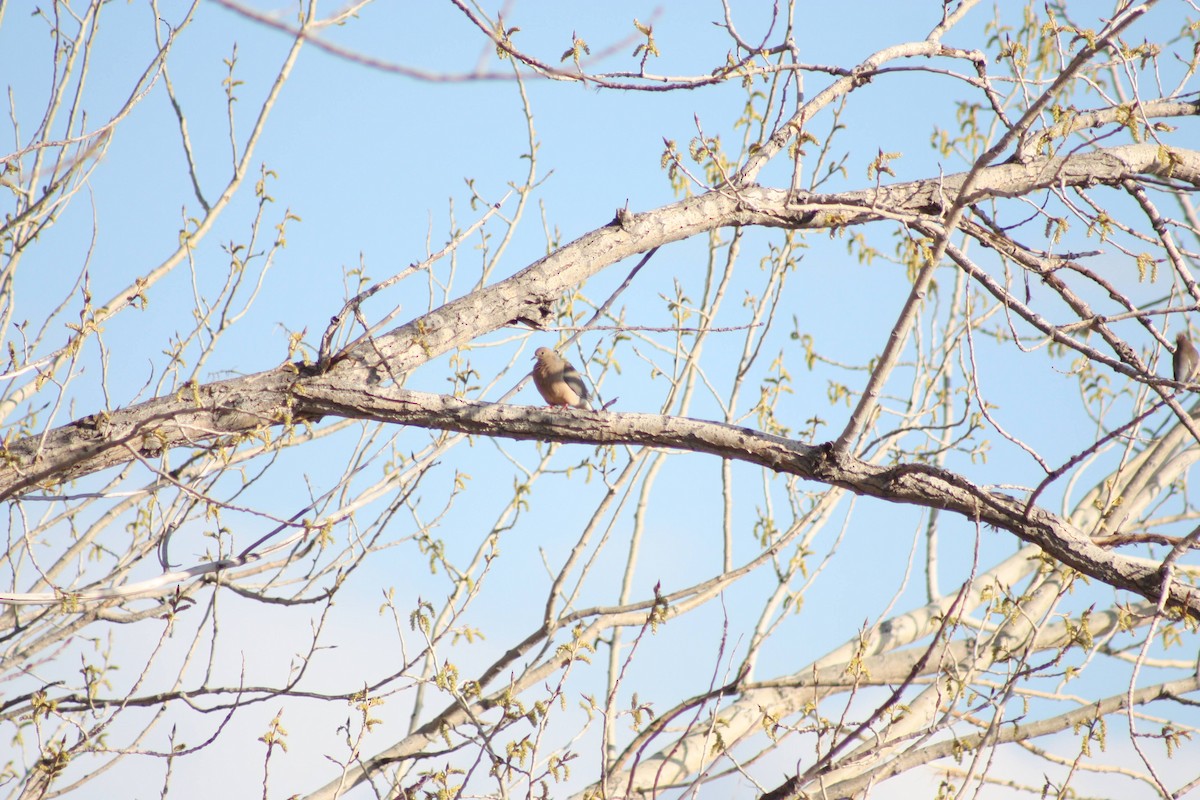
(915, 484)
(202, 414)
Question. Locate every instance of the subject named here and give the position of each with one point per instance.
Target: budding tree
(885, 479)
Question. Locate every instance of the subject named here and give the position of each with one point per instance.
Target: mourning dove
(1186, 359)
(559, 382)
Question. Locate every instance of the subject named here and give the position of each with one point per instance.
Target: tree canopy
(885, 483)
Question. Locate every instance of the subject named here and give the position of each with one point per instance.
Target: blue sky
(372, 162)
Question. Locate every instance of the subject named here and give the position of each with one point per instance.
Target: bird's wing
(573, 379)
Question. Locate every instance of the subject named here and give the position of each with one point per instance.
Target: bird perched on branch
(559, 382)
(1186, 359)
